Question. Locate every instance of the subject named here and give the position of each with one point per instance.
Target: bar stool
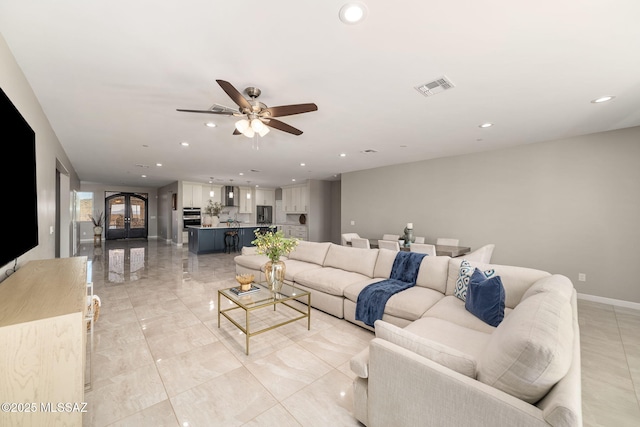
(232, 239)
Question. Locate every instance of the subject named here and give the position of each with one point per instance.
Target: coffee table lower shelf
(262, 299)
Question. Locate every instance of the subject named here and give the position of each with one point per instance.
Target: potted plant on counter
(212, 211)
(274, 244)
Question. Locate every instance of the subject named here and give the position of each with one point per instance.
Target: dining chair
(482, 254)
(394, 245)
(447, 242)
(346, 238)
(390, 237)
(419, 240)
(423, 248)
(358, 242)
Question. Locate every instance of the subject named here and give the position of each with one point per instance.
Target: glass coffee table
(264, 298)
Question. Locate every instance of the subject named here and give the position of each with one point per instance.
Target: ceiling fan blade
(277, 124)
(224, 113)
(234, 94)
(289, 110)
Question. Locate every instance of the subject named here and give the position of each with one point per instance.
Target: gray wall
(49, 153)
(567, 206)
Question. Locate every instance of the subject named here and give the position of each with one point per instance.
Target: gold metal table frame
(261, 299)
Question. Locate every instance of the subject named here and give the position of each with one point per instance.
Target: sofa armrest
(406, 389)
(360, 363)
(249, 250)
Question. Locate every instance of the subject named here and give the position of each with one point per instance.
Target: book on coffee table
(237, 290)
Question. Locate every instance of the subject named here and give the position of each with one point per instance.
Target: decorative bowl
(245, 281)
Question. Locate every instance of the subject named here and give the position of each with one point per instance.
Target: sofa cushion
(314, 252)
(295, 267)
(384, 263)
(531, 350)
(516, 280)
(468, 341)
(464, 277)
(332, 281)
(412, 303)
(453, 310)
(358, 260)
(433, 273)
(439, 353)
(485, 298)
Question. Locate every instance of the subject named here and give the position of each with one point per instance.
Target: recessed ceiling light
(210, 124)
(352, 13)
(158, 164)
(241, 173)
(303, 164)
(602, 99)
(343, 155)
(184, 144)
(293, 179)
(143, 176)
(486, 125)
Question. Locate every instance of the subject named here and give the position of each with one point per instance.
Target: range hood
(231, 195)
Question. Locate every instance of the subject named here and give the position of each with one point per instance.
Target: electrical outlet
(353, 222)
(582, 277)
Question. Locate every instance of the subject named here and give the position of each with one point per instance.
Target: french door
(126, 216)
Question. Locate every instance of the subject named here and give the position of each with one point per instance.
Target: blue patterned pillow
(462, 283)
(485, 298)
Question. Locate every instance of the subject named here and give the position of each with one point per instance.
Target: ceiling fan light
(257, 125)
(264, 131)
(242, 125)
(249, 132)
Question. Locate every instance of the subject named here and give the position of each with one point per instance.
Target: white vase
(215, 220)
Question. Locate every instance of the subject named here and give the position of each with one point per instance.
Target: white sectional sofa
(434, 363)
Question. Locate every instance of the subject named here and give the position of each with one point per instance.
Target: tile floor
(160, 359)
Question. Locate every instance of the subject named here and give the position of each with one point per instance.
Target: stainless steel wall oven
(190, 216)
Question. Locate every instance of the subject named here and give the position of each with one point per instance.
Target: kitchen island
(206, 240)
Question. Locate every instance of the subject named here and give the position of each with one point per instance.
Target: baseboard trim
(610, 301)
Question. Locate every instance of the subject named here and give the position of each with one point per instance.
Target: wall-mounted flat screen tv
(19, 207)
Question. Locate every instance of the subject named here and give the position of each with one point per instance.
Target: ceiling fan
(256, 117)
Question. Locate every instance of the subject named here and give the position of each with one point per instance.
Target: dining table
(441, 250)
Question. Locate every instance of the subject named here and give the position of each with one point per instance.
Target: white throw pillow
(439, 353)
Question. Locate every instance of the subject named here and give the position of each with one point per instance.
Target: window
(85, 205)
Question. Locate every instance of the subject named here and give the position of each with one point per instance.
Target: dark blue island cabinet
(206, 240)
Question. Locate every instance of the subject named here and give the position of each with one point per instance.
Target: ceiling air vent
(368, 151)
(438, 85)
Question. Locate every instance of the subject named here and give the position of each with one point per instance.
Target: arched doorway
(126, 216)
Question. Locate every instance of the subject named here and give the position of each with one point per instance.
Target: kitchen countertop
(224, 225)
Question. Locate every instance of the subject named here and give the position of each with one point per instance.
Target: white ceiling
(110, 75)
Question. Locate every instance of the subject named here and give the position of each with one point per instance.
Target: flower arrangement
(273, 243)
(213, 209)
(97, 219)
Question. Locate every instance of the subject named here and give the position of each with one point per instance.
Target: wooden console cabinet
(43, 343)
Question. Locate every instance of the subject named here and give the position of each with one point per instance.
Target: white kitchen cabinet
(191, 195)
(245, 203)
(295, 199)
(265, 197)
(296, 231)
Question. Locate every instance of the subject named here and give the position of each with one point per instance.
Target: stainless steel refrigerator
(264, 214)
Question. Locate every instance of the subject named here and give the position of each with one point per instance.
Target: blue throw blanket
(373, 298)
